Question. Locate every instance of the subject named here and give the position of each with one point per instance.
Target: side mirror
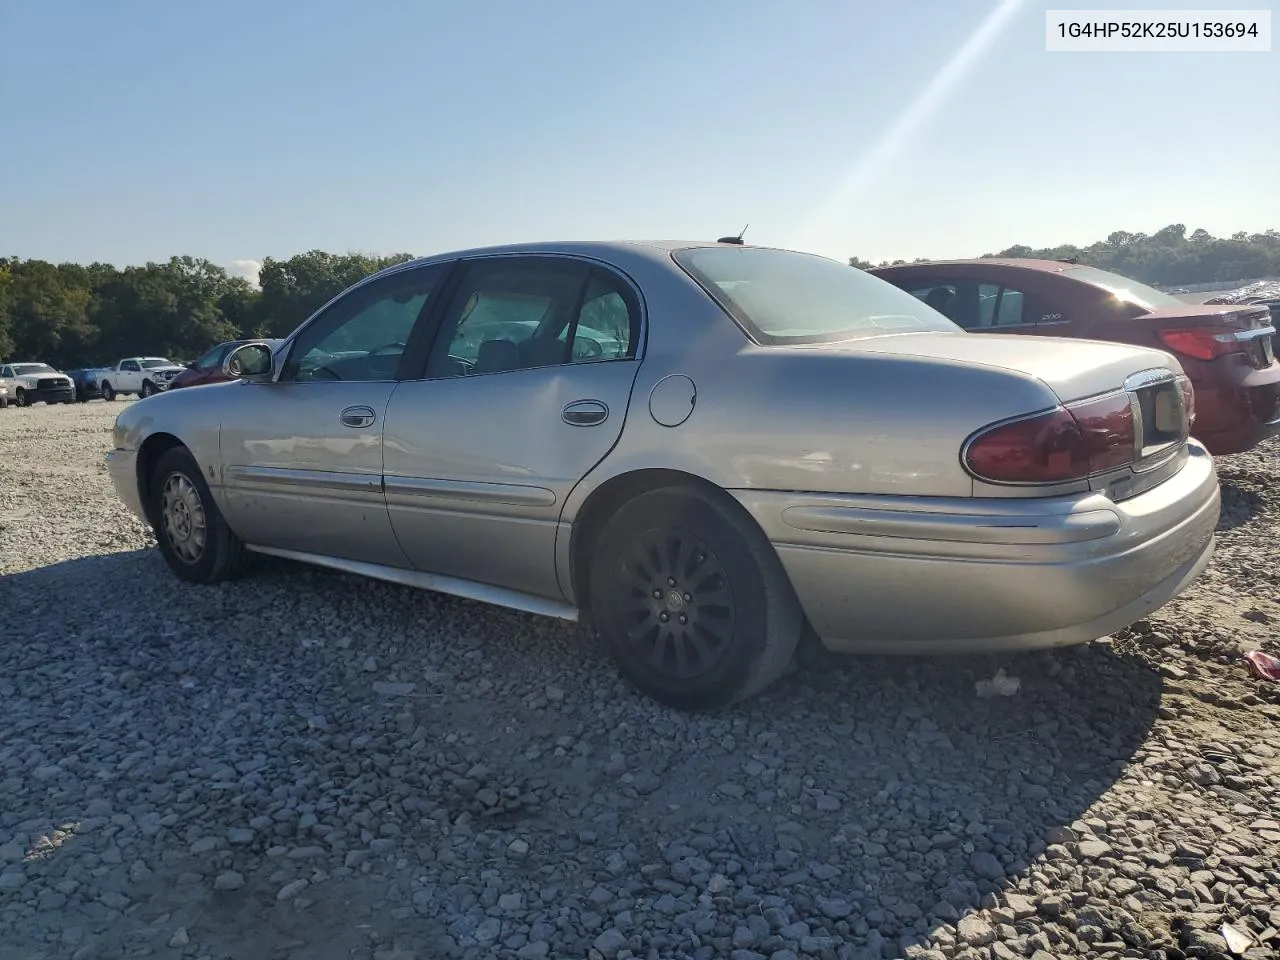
(191, 365)
(250, 361)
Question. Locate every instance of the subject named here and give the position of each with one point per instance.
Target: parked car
(777, 439)
(1227, 351)
(87, 382)
(141, 375)
(208, 369)
(36, 382)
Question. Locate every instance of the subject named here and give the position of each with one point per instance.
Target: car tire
(686, 553)
(4, 402)
(193, 535)
(108, 391)
(20, 398)
(147, 389)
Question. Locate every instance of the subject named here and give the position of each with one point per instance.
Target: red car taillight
(1202, 343)
(1069, 443)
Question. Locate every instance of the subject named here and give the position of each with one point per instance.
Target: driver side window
(131, 366)
(363, 335)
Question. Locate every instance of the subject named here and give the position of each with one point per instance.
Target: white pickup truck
(141, 375)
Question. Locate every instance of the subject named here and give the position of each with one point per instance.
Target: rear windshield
(781, 297)
(1130, 291)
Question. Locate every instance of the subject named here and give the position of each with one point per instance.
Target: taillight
(1201, 343)
(1068, 443)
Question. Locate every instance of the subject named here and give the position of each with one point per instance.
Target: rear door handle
(358, 417)
(584, 413)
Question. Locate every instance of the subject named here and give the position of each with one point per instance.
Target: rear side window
(974, 306)
(782, 297)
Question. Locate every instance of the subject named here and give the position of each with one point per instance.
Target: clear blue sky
(133, 130)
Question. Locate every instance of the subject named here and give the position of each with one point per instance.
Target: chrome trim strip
(1148, 378)
(467, 589)
(273, 477)
(519, 495)
(955, 527)
(1244, 336)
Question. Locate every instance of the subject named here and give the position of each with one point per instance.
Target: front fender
(166, 420)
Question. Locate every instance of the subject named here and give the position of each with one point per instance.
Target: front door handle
(584, 413)
(358, 417)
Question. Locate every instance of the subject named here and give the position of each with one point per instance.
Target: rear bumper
(1234, 417)
(122, 466)
(920, 575)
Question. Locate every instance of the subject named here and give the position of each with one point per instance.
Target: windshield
(782, 297)
(26, 369)
(1130, 291)
(152, 362)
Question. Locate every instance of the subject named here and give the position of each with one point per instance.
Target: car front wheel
(147, 389)
(193, 535)
(691, 600)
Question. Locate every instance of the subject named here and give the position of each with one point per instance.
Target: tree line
(72, 315)
(1166, 258)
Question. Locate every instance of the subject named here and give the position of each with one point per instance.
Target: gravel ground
(305, 764)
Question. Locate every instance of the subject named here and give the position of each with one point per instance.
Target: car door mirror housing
(250, 361)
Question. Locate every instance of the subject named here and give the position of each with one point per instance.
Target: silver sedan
(701, 449)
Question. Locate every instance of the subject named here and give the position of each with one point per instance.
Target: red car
(1228, 351)
(208, 369)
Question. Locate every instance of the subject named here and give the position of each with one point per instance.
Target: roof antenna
(737, 241)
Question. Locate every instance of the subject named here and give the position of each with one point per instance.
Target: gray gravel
(308, 765)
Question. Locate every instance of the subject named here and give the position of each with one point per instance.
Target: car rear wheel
(108, 392)
(691, 600)
(193, 535)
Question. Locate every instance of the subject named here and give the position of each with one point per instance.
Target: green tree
(293, 289)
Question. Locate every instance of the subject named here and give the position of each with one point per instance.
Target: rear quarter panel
(771, 418)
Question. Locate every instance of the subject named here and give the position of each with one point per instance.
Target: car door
(130, 377)
(302, 453)
(525, 390)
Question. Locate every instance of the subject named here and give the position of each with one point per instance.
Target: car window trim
(632, 296)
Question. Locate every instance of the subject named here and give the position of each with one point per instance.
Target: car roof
(1024, 263)
(658, 249)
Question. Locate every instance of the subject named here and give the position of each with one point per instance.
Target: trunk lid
(1073, 369)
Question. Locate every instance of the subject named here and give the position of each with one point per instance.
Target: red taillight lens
(1058, 446)
(1201, 343)
(1188, 399)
